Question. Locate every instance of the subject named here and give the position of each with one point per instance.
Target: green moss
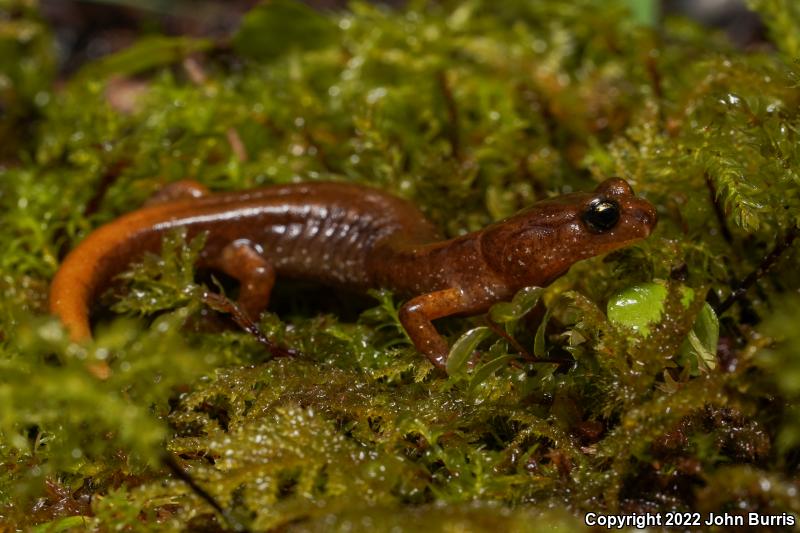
(27, 68)
(472, 110)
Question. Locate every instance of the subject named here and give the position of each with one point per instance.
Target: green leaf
(524, 300)
(148, 53)
(645, 12)
(463, 348)
(538, 341)
(483, 373)
(273, 29)
(782, 18)
(462, 15)
(701, 344)
(638, 306)
(641, 305)
(63, 524)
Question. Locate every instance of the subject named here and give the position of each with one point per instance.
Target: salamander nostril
(647, 216)
(652, 216)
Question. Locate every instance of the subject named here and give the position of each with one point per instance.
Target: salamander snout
(647, 215)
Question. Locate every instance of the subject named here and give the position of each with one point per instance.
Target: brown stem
(495, 327)
(179, 472)
(452, 113)
(236, 144)
(321, 154)
(224, 305)
(194, 69)
(723, 224)
(741, 288)
(653, 72)
(106, 181)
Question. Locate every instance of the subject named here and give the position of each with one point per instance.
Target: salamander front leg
(416, 316)
(255, 274)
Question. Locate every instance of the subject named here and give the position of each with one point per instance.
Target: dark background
(88, 29)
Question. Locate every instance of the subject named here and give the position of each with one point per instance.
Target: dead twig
(495, 327)
(452, 113)
(194, 69)
(224, 305)
(179, 472)
(718, 211)
(741, 288)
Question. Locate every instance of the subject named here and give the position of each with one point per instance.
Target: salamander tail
(92, 265)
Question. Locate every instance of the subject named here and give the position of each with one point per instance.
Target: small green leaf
(642, 305)
(524, 300)
(502, 312)
(64, 524)
(687, 296)
(644, 12)
(701, 343)
(538, 341)
(462, 349)
(483, 373)
(461, 16)
(273, 29)
(781, 18)
(669, 386)
(148, 53)
(638, 306)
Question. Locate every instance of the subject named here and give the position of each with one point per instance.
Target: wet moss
(490, 106)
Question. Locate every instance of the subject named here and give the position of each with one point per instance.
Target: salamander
(357, 237)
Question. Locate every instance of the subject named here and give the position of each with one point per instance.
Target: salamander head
(540, 243)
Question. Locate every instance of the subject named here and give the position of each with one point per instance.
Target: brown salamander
(357, 237)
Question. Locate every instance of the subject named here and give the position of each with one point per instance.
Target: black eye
(601, 215)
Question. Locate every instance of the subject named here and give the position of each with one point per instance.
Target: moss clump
(490, 105)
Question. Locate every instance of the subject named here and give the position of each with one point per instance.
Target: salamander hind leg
(255, 274)
(416, 316)
(178, 190)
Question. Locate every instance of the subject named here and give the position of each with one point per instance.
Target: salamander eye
(601, 215)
